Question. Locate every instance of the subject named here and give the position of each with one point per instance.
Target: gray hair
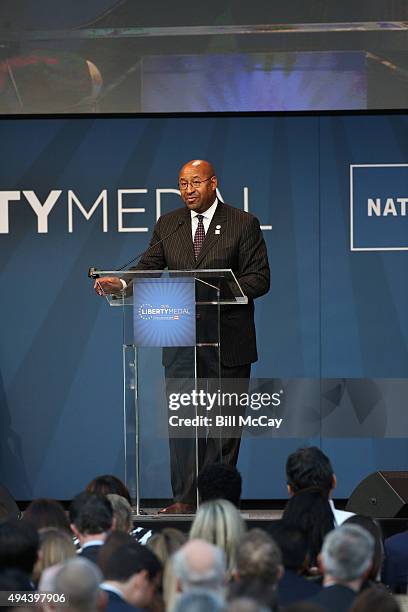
(200, 601)
(199, 564)
(347, 552)
(78, 579)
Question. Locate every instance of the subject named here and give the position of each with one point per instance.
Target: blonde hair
(220, 523)
(122, 512)
(164, 544)
(56, 546)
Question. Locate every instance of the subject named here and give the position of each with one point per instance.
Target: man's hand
(108, 285)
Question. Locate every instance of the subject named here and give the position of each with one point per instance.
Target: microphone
(92, 271)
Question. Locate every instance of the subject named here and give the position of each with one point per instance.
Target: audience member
(200, 601)
(259, 568)
(373, 599)
(303, 606)
(310, 480)
(122, 512)
(13, 579)
(378, 557)
(18, 546)
(345, 561)
(293, 586)
(78, 579)
(199, 565)
(164, 544)
(220, 523)
(395, 570)
(114, 540)
(106, 484)
(91, 519)
(43, 513)
(220, 481)
(55, 547)
(132, 575)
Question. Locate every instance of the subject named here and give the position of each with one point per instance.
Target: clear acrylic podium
(145, 418)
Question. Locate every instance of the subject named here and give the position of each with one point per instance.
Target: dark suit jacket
(336, 598)
(395, 570)
(117, 604)
(292, 588)
(239, 246)
(90, 552)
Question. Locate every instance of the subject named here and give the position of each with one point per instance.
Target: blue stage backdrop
(322, 187)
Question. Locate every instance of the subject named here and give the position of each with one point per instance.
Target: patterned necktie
(199, 236)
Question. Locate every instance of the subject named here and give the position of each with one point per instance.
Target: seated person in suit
(395, 570)
(132, 576)
(91, 518)
(345, 562)
(79, 580)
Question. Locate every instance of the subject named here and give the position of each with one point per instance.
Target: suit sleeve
(254, 272)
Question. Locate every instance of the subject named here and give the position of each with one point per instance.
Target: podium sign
(164, 312)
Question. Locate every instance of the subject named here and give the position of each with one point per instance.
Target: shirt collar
(208, 214)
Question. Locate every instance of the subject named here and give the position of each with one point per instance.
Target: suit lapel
(185, 237)
(211, 238)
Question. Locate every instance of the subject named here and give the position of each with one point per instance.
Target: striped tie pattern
(199, 236)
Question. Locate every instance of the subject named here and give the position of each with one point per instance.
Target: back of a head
(18, 545)
(115, 540)
(106, 484)
(220, 481)
(129, 559)
(91, 513)
(166, 542)
(122, 511)
(199, 601)
(199, 564)
(292, 543)
(56, 546)
(347, 553)
(78, 579)
(309, 467)
(374, 528)
(259, 557)
(373, 599)
(43, 513)
(220, 523)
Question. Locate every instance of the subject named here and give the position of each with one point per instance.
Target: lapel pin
(217, 229)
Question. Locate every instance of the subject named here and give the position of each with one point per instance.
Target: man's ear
(281, 571)
(235, 575)
(114, 523)
(178, 586)
(320, 563)
(290, 489)
(334, 481)
(74, 530)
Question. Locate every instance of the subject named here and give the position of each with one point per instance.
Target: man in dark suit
(395, 570)
(345, 560)
(91, 518)
(207, 234)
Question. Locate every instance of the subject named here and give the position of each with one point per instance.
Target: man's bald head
(199, 564)
(198, 184)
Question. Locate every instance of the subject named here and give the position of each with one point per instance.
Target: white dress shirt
(207, 218)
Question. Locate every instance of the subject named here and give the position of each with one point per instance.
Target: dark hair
(91, 513)
(103, 485)
(310, 511)
(292, 542)
(220, 481)
(309, 467)
(130, 559)
(14, 580)
(44, 513)
(375, 598)
(115, 540)
(374, 528)
(18, 545)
